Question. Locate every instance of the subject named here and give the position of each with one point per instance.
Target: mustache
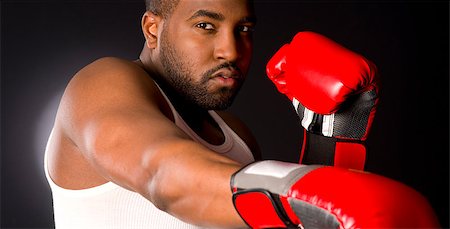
(228, 65)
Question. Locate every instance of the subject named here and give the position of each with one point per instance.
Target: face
(205, 50)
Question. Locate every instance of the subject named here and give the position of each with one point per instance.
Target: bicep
(113, 116)
(151, 156)
(124, 144)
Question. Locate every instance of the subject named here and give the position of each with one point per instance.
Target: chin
(217, 104)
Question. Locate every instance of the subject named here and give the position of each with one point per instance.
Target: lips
(227, 73)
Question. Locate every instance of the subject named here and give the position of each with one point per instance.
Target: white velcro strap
(270, 168)
(327, 125)
(295, 102)
(308, 116)
(274, 176)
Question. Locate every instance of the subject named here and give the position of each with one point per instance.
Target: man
(114, 124)
(136, 144)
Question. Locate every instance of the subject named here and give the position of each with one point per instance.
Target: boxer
(144, 143)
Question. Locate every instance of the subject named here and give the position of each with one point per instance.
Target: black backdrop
(43, 43)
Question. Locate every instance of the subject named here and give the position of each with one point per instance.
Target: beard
(179, 76)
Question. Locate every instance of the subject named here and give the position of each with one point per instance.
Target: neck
(191, 112)
(146, 62)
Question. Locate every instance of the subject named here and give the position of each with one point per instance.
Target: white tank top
(111, 206)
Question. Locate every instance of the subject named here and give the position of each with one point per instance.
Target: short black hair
(163, 8)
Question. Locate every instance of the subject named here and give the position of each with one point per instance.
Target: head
(163, 8)
(200, 48)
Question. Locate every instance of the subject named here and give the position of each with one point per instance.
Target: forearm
(194, 186)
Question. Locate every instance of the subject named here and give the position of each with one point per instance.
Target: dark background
(43, 43)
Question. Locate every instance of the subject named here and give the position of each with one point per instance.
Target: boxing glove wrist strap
(318, 149)
(338, 138)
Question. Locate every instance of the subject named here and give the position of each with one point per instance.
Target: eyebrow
(218, 16)
(206, 13)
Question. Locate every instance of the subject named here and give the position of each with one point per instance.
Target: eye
(245, 29)
(205, 26)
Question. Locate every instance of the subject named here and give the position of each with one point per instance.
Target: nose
(226, 47)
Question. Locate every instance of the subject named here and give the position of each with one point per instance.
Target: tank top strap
(179, 121)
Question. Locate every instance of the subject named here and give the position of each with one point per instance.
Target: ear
(150, 24)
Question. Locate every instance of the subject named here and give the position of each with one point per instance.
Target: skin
(113, 124)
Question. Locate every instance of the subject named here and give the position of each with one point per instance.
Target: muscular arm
(113, 112)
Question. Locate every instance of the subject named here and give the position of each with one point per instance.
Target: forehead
(230, 9)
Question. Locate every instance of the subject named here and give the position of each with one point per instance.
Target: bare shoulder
(241, 129)
(111, 72)
(113, 81)
(109, 86)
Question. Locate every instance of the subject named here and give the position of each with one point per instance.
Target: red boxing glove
(335, 93)
(273, 194)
